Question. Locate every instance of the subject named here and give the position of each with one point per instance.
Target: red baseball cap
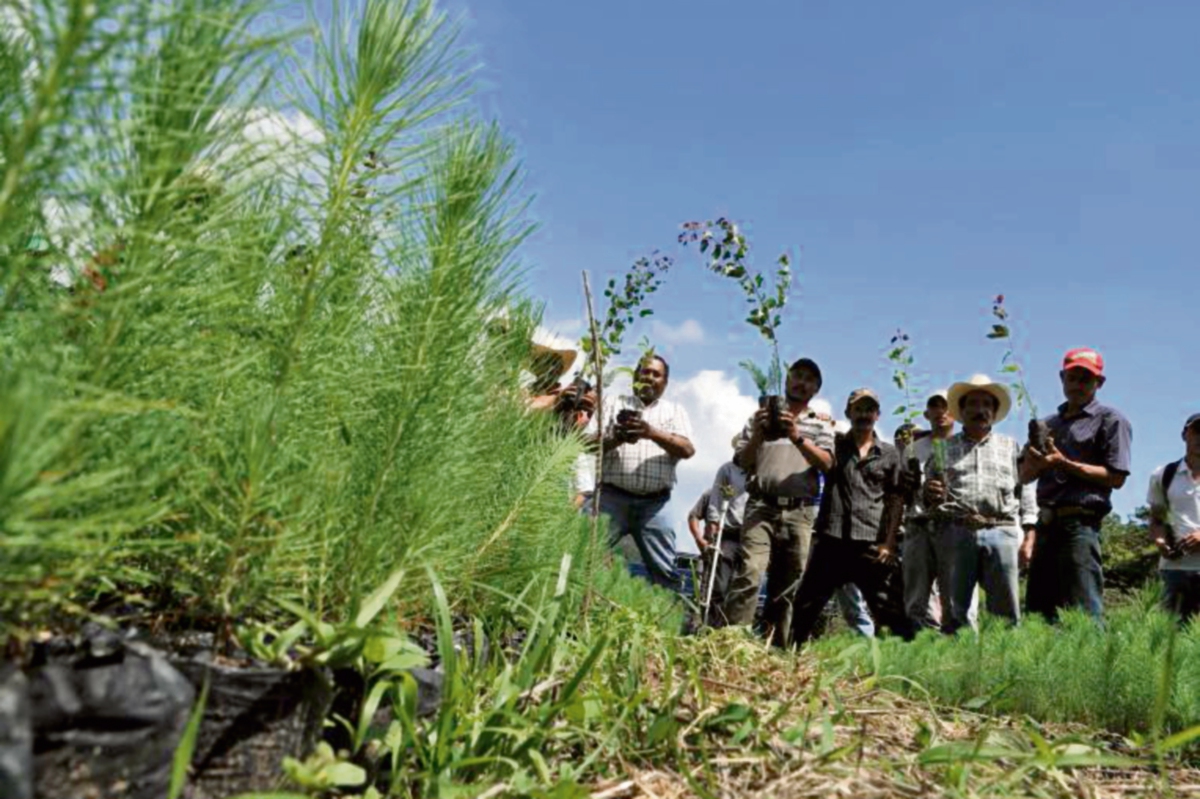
(1084, 358)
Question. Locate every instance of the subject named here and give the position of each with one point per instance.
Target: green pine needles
(248, 368)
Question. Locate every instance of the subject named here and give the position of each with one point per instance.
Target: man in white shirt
(1174, 500)
(644, 438)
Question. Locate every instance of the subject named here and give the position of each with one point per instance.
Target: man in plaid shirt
(641, 448)
(977, 506)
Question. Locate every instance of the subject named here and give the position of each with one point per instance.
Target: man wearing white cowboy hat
(975, 500)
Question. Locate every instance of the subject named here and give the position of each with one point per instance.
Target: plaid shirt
(642, 467)
(981, 478)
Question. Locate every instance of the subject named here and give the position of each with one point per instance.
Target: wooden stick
(598, 365)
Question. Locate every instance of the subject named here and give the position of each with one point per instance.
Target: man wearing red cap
(1086, 457)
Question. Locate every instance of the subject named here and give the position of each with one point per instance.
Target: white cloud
(717, 410)
(689, 332)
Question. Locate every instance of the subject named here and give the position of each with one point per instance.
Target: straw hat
(979, 383)
(550, 363)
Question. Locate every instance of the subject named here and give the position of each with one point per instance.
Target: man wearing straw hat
(977, 506)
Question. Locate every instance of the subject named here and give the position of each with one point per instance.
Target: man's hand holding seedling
(934, 492)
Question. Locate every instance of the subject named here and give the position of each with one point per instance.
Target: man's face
(979, 410)
(937, 413)
(863, 415)
(652, 380)
(1192, 436)
(1080, 385)
(802, 384)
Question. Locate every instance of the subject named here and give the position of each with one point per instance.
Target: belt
(664, 494)
(1048, 515)
(785, 503)
(973, 521)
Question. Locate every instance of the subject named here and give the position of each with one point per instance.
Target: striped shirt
(982, 478)
(642, 467)
(779, 468)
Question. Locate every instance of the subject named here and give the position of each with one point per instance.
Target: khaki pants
(774, 542)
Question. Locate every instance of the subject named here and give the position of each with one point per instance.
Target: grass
(1136, 677)
(621, 707)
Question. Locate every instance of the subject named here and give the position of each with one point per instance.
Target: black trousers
(835, 562)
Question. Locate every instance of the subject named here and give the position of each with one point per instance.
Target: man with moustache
(1087, 457)
(977, 507)
(783, 487)
(639, 459)
(856, 531)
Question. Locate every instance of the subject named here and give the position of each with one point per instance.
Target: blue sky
(917, 159)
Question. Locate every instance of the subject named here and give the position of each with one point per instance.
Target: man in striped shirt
(784, 488)
(645, 436)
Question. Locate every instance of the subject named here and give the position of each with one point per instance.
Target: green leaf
(182, 758)
(378, 599)
(346, 774)
(998, 331)
(1012, 367)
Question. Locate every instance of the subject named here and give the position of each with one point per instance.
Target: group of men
(911, 530)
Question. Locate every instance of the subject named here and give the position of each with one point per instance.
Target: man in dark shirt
(1086, 458)
(856, 529)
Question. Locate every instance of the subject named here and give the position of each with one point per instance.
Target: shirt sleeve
(1118, 442)
(699, 510)
(743, 440)
(677, 422)
(1026, 494)
(824, 438)
(713, 511)
(1155, 498)
(892, 467)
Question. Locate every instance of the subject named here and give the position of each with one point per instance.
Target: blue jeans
(1181, 592)
(853, 607)
(1065, 570)
(986, 557)
(641, 530)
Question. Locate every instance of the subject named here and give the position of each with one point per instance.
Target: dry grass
(815, 734)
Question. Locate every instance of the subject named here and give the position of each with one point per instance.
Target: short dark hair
(654, 356)
(995, 400)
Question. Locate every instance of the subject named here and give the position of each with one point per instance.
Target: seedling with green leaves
(626, 305)
(727, 249)
(901, 357)
(1011, 365)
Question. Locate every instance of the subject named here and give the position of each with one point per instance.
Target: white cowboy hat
(979, 383)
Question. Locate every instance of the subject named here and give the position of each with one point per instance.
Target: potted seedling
(726, 249)
(1039, 431)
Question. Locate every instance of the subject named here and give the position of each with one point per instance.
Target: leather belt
(785, 503)
(664, 494)
(1048, 515)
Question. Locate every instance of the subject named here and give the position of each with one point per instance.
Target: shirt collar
(1091, 409)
